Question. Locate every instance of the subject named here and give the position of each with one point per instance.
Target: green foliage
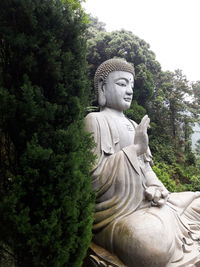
(46, 200)
(162, 150)
(94, 26)
(173, 116)
(136, 112)
(177, 177)
(164, 171)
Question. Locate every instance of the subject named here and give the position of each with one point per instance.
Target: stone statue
(136, 218)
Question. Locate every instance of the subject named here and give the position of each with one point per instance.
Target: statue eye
(121, 83)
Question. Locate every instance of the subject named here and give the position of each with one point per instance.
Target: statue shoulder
(91, 121)
(93, 116)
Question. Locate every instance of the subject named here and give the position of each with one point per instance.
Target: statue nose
(129, 90)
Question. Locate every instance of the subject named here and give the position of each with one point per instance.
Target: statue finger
(142, 126)
(157, 196)
(143, 121)
(147, 122)
(147, 119)
(165, 193)
(149, 193)
(161, 202)
(144, 118)
(146, 125)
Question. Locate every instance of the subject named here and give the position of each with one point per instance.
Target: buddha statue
(136, 217)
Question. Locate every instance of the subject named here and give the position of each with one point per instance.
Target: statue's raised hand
(141, 140)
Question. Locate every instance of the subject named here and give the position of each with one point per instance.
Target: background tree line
(49, 51)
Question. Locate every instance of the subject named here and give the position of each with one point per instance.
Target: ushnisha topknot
(110, 65)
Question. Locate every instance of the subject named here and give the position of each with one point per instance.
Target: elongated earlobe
(101, 93)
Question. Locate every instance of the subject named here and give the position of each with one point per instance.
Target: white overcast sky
(171, 27)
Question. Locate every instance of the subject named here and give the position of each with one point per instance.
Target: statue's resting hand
(157, 195)
(141, 140)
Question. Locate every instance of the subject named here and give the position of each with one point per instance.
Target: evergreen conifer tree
(45, 197)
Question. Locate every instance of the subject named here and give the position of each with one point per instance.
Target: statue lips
(128, 99)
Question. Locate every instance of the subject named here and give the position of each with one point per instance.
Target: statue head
(113, 82)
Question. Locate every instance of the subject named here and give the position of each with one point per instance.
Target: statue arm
(155, 190)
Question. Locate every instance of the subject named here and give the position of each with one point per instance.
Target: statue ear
(101, 93)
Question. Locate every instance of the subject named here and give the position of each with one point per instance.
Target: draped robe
(125, 222)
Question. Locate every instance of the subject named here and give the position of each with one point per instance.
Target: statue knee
(146, 242)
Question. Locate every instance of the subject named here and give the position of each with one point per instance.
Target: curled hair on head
(110, 65)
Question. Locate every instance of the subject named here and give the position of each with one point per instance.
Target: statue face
(118, 90)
